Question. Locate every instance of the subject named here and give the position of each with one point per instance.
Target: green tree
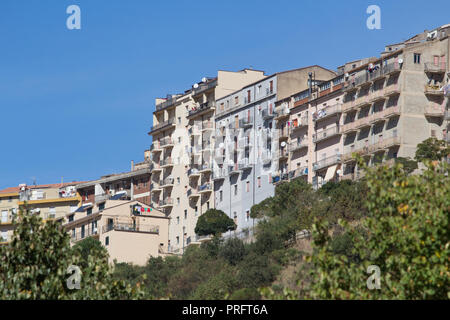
(34, 265)
(405, 234)
(432, 149)
(89, 247)
(214, 222)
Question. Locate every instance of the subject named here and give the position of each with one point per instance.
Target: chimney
(132, 165)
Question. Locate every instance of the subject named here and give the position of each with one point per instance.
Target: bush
(245, 294)
(233, 251)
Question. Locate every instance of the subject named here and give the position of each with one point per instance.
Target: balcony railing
(219, 174)
(434, 90)
(168, 182)
(166, 162)
(162, 125)
(300, 123)
(268, 114)
(298, 145)
(166, 104)
(205, 168)
(246, 122)
(80, 235)
(283, 153)
(166, 203)
(384, 142)
(234, 169)
(207, 125)
(205, 86)
(205, 187)
(131, 227)
(434, 110)
(327, 162)
(430, 67)
(155, 147)
(299, 172)
(165, 142)
(245, 164)
(210, 105)
(328, 112)
(327, 133)
(193, 192)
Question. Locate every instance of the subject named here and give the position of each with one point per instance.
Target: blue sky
(78, 104)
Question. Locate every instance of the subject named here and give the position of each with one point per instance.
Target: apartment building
(183, 136)
(396, 101)
(248, 139)
(131, 231)
(380, 108)
(51, 202)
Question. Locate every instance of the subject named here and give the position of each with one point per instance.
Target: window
(236, 101)
(247, 215)
(82, 232)
(417, 58)
(196, 210)
(271, 86)
(247, 186)
(185, 214)
(248, 96)
(178, 220)
(10, 199)
(179, 120)
(259, 182)
(107, 241)
(179, 139)
(89, 211)
(270, 178)
(101, 207)
(207, 205)
(178, 180)
(178, 201)
(178, 240)
(71, 217)
(235, 189)
(220, 195)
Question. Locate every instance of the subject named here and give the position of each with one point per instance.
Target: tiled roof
(42, 186)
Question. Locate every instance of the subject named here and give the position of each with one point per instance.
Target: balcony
(165, 203)
(267, 114)
(327, 162)
(167, 163)
(205, 168)
(219, 174)
(194, 172)
(155, 147)
(377, 95)
(130, 227)
(283, 133)
(166, 104)
(168, 182)
(8, 219)
(162, 126)
(245, 142)
(391, 112)
(299, 172)
(434, 110)
(361, 148)
(193, 131)
(167, 142)
(392, 90)
(245, 164)
(434, 90)
(380, 143)
(392, 68)
(80, 235)
(201, 109)
(283, 154)
(192, 193)
(299, 123)
(155, 187)
(328, 112)
(234, 169)
(298, 145)
(325, 134)
(283, 113)
(205, 188)
(207, 125)
(204, 87)
(245, 123)
(359, 102)
(437, 68)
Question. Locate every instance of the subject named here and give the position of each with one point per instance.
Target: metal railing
(166, 162)
(268, 114)
(246, 122)
(220, 173)
(202, 107)
(205, 86)
(118, 226)
(244, 164)
(162, 125)
(330, 132)
(327, 162)
(328, 111)
(299, 172)
(297, 145)
(166, 202)
(301, 122)
(205, 187)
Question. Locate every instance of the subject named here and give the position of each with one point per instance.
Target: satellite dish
(400, 61)
(347, 75)
(196, 86)
(339, 172)
(203, 79)
(283, 144)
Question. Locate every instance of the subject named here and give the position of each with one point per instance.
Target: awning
(331, 172)
(84, 207)
(118, 196)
